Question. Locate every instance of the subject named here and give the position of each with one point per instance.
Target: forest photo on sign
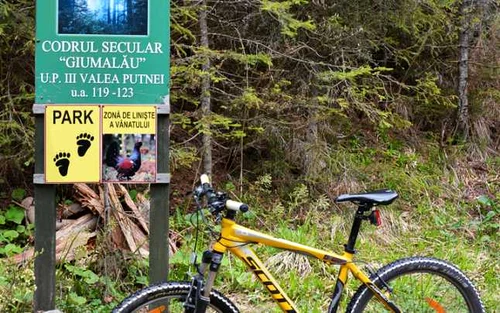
(103, 17)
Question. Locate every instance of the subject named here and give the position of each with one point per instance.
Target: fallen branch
(71, 236)
(130, 203)
(127, 221)
(89, 199)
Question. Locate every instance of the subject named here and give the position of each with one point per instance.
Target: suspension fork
(197, 301)
(214, 265)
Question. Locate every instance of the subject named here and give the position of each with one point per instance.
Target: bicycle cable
(374, 272)
(213, 234)
(194, 256)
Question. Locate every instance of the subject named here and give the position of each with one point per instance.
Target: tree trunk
(109, 11)
(463, 67)
(114, 13)
(130, 15)
(311, 155)
(205, 93)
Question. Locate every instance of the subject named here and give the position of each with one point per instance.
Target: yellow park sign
(100, 143)
(72, 144)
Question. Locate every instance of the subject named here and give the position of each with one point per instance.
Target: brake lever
(198, 192)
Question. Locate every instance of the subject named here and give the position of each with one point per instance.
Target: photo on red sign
(129, 158)
(103, 17)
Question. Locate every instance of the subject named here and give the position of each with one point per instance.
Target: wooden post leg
(45, 230)
(45, 248)
(159, 209)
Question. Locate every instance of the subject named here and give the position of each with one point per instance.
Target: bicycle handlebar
(218, 200)
(236, 206)
(204, 179)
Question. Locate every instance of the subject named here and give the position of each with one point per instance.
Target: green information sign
(102, 52)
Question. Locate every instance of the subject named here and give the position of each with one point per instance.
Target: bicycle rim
(422, 292)
(169, 304)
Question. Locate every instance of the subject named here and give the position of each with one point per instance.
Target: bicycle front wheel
(420, 284)
(170, 297)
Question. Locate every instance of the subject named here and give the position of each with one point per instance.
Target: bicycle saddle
(378, 197)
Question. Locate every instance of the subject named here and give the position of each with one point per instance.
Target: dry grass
(286, 261)
(395, 225)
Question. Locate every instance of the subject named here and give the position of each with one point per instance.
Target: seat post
(356, 225)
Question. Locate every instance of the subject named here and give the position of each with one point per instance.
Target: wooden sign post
(102, 92)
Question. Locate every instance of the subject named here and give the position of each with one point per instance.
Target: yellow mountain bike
(416, 284)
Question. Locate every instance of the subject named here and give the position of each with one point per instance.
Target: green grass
(397, 239)
(438, 214)
(424, 231)
(445, 211)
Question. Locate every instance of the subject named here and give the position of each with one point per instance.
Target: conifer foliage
(286, 81)
(17, 30)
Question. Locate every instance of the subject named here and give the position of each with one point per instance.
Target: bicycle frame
(234, 238)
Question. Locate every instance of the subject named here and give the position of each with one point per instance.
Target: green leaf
(10, 234)
(2, 220)
(23, 296)
(76, 299)
(15, 214)
(91, 277)
(141, 280)
(484, 200)
(21, 229)
(18, 194)
(11, 249)
(489, 216)
(180, 257)
(88, 276)
(133, 194)
(4, 281)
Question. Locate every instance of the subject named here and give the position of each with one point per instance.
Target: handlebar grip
(236, 206)
(205, 179)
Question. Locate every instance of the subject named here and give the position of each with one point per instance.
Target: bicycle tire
(434, 274)
(171, 291)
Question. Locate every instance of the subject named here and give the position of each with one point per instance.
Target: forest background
(301, 100)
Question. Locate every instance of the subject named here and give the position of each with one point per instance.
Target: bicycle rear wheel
(420, 284)
(169, 297)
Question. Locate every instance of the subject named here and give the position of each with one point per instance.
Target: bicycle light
(375, 218)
